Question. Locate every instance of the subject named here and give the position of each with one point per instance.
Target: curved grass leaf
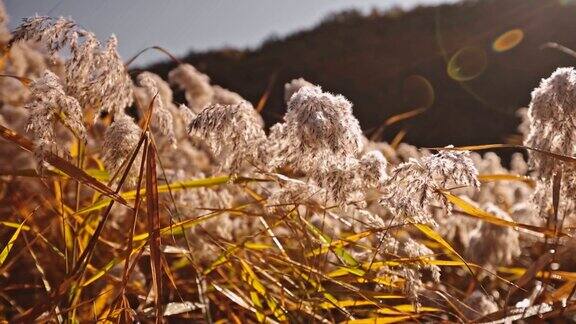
(476, 212)
(560, 157)
(506, 177)
(6, 249)
(432, 234)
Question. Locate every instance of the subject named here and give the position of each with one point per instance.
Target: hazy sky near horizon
(184, 25)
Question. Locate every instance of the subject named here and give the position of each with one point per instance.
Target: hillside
(370, 58)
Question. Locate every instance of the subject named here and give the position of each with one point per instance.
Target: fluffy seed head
(318, 128)
(233, 132)
(196, 85)
(412, 189)
(492, 245)
(49, 104)
(163, 119)
(293, 86)
(552, 116)
(120, 140)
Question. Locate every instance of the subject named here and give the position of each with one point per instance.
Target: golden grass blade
(15, 225)
(348, 303)
(254, 295)
(406, 115)
(406, 308)
(264, 99)
(398, 138)
(319, 288)
(223, 258)
(561, 293)
(305, 273)
(433, 235)
(375, 266)
(395, 119)
(220, 260)
(556, 274)
(560, 157)
(253, 279)
(506, 177)
(476, 212)
(6, 249)
(101, 302)
(342, 271)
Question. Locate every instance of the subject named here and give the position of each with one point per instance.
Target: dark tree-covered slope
(369, 58)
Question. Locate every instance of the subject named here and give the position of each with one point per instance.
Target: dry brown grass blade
(25, 81)
(398, 138)
(395, 119)
(556, 185)
(561, 293)
(66, 167)
(531, 272)
(158, 48)
(264, 99)
(559, 47)
(85, 257)
(101, 175)
(560, 157)
(154, 228)
(42, 272)
(506, 177)
(553, 222)
(130, 243)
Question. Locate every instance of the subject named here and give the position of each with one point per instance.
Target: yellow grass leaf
(10, 244)
(476, 212)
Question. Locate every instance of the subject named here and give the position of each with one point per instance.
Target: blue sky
(184, 25)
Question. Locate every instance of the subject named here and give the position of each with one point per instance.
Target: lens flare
(467, 64)
(508, 40)
(417, 92)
